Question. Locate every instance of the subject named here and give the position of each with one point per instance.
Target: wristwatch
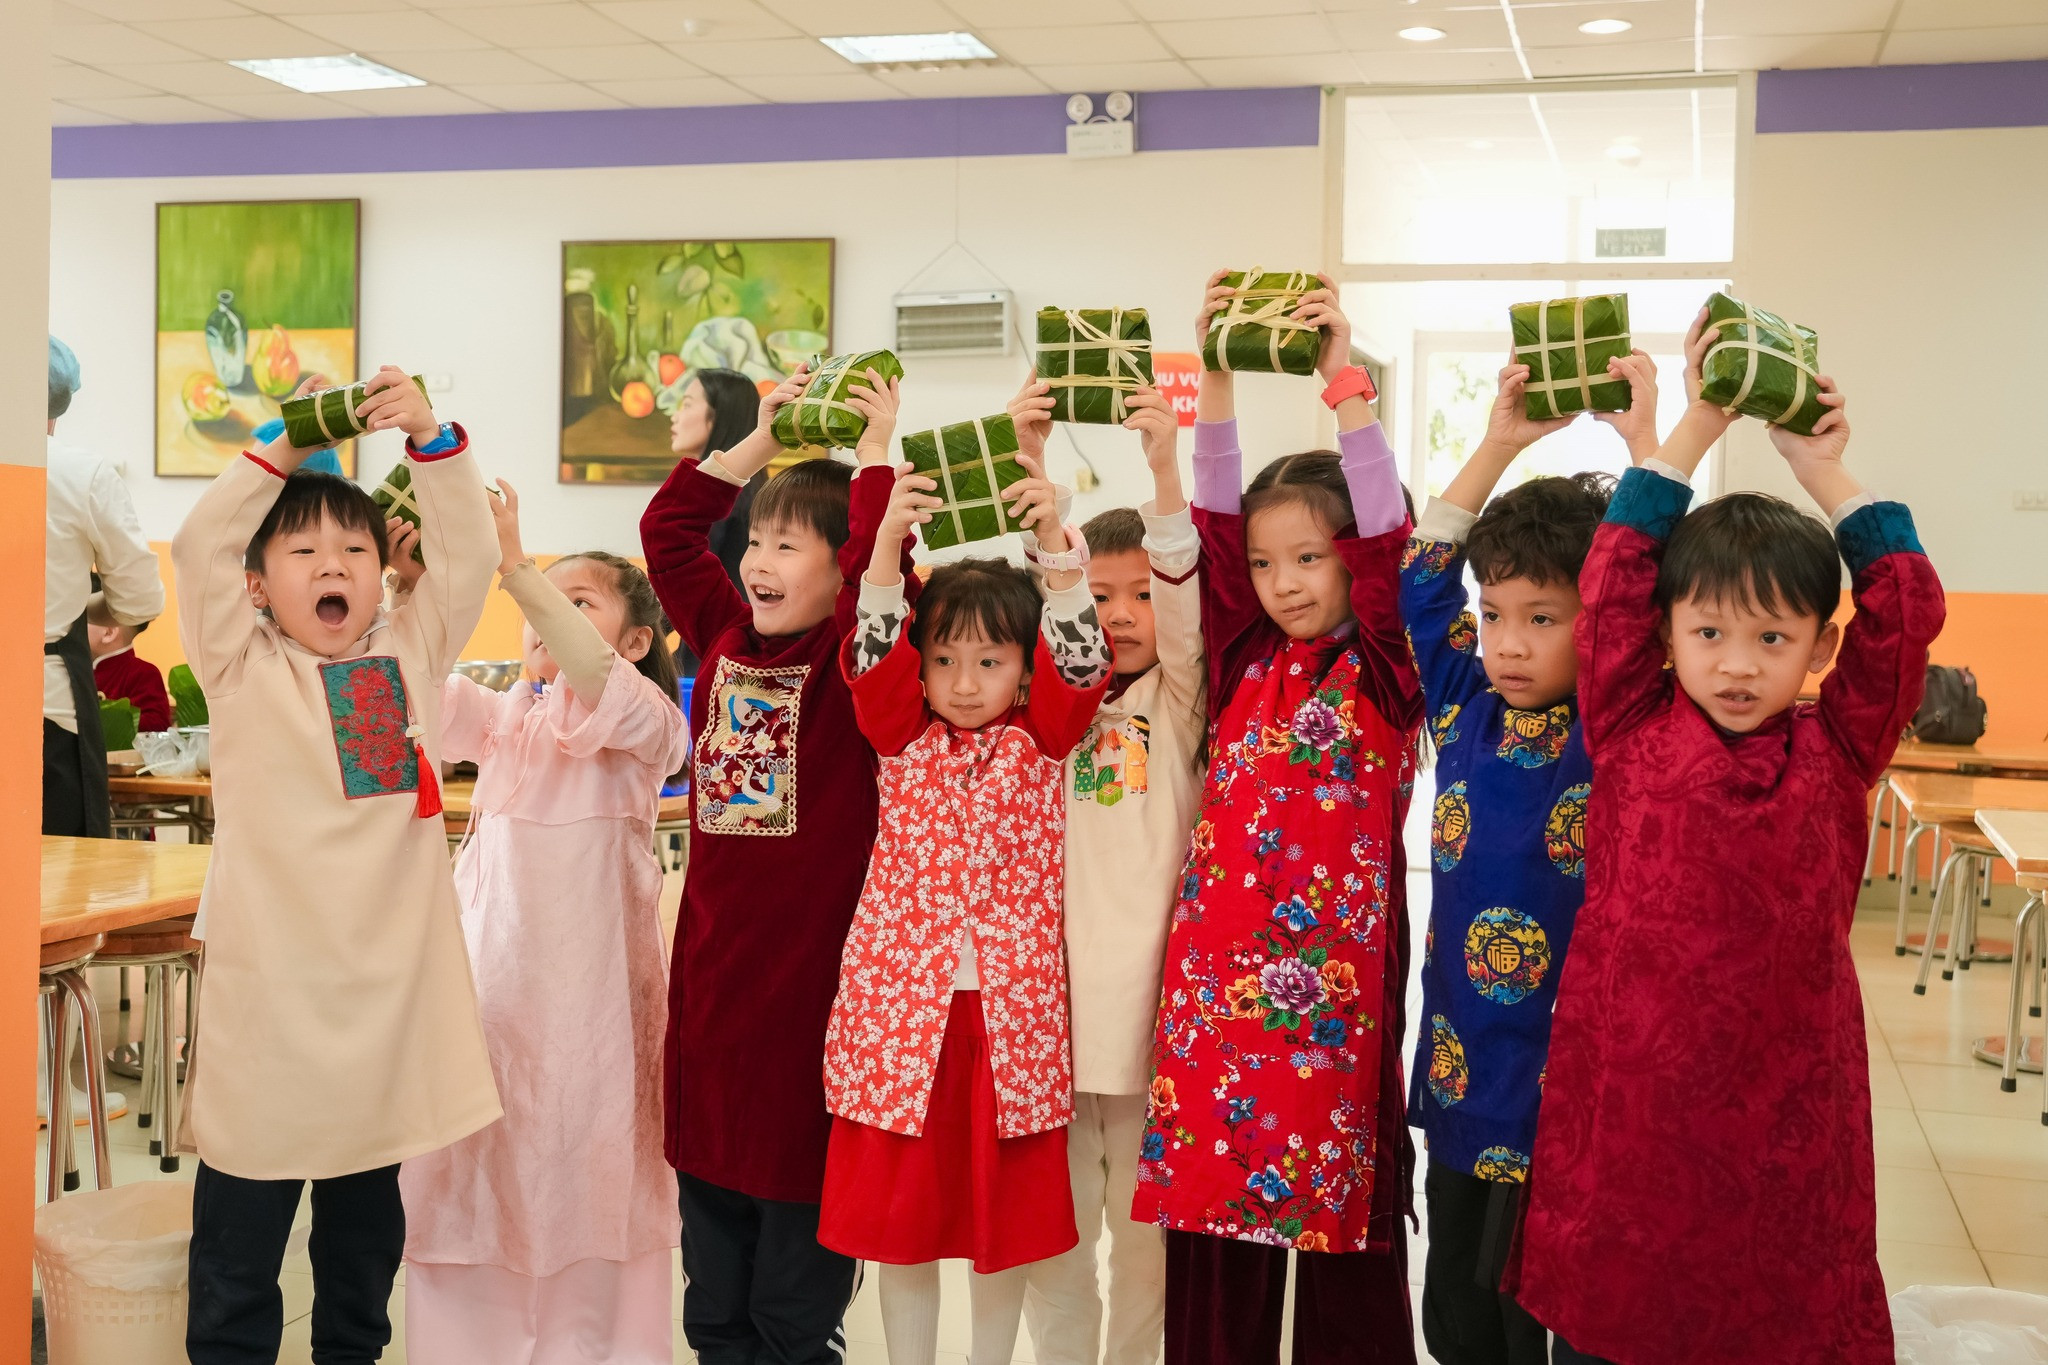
(1351, 382)
(1072, 560)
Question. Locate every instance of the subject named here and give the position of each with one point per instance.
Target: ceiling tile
(2018, 43)
(1094, 79)
(203, 79)
(1611, 59)
(786, 58)
(677, 94)
(99, 44)
(1040, 13)
(64, 115)
(69, 82)
(157, 109)
(255, 35)
(1425, 67)
(293, 8)
(536, 98)
(964, 82)
(409, 100)
(444, 7)
(1463, 29)
(396, 31)
(1106, 43)
(641, 61)
(794, 89)
(1220, 9)
(1556, 25)
(665, 20)
(833, 17)
(1769, 18)
(1329, 68)
(283, 105)
(1937, 14)
(537, 26)
(61, 14)
(1270, 37)
(1792, 50)
(124, 10)
(481, 66)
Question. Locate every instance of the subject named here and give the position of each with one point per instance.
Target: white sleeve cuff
(878, 599)
(1662, 470)
(1066, 603)
(1856, 504)
(1445, 521)
(710, 465)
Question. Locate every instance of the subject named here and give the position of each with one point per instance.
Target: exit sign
(1619, 242)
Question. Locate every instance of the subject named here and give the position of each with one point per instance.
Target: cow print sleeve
(1074, 637)
(877, 621)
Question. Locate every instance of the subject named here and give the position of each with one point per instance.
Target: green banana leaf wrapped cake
(188, 703)
(820, 415)
(972, 462)
(1566, 343)
(1093, 358)
(1762, 366)
(118, 719)
(322, 418)
(1257, 331)
(395, 498)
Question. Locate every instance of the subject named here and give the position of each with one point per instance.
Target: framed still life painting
(252, 297)
(640, 319)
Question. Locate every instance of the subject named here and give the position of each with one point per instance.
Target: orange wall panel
(21, 758)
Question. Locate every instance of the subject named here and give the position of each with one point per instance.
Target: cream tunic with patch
(340, 1029)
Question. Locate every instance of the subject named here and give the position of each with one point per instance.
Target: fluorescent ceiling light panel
(1601, 28)
(894, 49)
(325, 75)
(1422, 33)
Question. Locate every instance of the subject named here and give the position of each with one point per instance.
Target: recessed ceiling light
(1480, 144)
(324, 75)
(1603, 27)
(1626, 153)
(1422, 33)
(911, 49)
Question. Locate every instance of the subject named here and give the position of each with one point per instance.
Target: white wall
(461, 276)
(1919, 259)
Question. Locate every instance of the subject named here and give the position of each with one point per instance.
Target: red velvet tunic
(1702, 1191)
(140, 681)
(782, 807)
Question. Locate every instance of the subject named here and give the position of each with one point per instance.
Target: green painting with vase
(639, 319)
(252, 297)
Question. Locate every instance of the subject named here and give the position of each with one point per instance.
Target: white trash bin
(113, 1266)
(1952, 1325)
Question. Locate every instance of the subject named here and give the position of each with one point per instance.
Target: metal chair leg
(124, 975)
(146, 1109)
(74, 984)
(1985, 899)
(1963, 890)
(69, 1137)
(1876, 824)
(1927, 949)
(1905, 892)
(1948, 886)
(2022, 944)
(56, 1091)
(167, 1054)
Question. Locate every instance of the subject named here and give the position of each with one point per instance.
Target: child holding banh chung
(946, 1065)
(1703, 1184)
(341, 1028)
(1507, 845)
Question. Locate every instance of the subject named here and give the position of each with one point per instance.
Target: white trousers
(587, 1313)
(1063, 1305)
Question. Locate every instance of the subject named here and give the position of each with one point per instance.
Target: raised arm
(1619, 630)
(460, 548)
(675, 535)
(215, 618)
(1174, 553)
(583, 655)
(1070, 670)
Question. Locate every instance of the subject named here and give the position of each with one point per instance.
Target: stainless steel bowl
(496, 674)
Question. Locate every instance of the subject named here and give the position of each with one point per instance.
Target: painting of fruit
(640, 319)
(251, 297)
(273, 363)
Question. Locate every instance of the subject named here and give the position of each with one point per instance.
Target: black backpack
(1950, 711)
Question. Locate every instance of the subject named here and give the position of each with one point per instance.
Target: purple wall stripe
(1180, 120)
(1881, 99)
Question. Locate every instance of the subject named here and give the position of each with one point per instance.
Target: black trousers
(1224, 1300)
(64, 801)
(239, 1229)
(1466, 1320)
(760, 1290)
(1561, 1353)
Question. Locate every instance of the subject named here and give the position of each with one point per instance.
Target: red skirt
(958, 1192)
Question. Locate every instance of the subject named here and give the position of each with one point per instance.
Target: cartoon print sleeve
(882, 666)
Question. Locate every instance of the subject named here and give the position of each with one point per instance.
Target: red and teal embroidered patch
(366, 703)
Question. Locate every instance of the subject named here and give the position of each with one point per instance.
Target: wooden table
(1978, 759)
(155, 802)
(95, 886)
(2021, 838)
(1933, 797)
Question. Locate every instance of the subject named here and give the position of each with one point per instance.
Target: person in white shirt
(91, 525)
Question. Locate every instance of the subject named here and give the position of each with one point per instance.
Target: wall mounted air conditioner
(970, 323)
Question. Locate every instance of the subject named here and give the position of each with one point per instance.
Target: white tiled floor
(1962, 1181)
